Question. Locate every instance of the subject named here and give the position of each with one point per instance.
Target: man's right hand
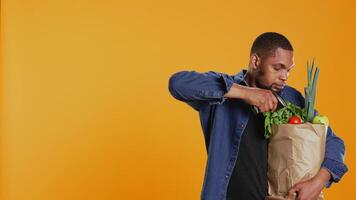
(263, 99)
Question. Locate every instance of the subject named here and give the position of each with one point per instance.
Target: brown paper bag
(295, 153)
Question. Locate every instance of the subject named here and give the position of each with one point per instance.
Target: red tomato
(295, 120)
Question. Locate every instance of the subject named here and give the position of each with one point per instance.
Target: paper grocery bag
(295, 153)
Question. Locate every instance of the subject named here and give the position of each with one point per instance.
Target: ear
(255, 61)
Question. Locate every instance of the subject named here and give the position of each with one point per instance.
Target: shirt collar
(240, 77)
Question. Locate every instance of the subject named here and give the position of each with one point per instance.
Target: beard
(260, 79)
(261, 83)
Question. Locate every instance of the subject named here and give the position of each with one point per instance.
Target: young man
(237, 151)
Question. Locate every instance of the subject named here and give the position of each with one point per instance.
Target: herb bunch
(282, 116)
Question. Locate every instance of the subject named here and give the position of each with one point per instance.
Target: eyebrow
(283, 65)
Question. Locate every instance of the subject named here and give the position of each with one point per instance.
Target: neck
(250, 79)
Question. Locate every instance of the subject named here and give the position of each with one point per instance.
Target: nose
(284, 76)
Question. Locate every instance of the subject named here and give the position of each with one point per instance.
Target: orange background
(85, 107)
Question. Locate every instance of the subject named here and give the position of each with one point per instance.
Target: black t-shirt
(249, 178)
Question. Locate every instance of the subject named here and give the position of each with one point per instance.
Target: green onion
(310, 90)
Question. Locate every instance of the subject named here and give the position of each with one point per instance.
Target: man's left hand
(310, 189)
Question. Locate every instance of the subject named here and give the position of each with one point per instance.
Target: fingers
(292, 193)
(291, 197)
(273, 102)
(269, 102)
(263, 99)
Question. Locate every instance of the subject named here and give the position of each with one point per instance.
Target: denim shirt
(223, 121)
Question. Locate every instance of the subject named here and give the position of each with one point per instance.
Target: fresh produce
(282, 116)
(293, 114)
(295, 120)
(320, 119)
(310, 90)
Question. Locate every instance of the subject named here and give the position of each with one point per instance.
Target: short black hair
(266, 43)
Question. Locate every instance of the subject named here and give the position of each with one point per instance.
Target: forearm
(322, 177)
(334, 157)
(236, 92)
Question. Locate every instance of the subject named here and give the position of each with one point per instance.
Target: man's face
(273, 71)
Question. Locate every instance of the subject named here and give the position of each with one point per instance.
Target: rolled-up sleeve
(194, 88)
(334, 157)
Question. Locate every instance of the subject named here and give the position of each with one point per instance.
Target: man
(237, 151)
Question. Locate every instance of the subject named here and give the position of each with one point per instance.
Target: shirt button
(242, 126)
(226, 176)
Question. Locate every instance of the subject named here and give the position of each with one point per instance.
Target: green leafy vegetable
(282, 116)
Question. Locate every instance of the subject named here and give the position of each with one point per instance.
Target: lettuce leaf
(281, 116)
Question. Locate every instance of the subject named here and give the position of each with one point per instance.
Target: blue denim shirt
(223, 122)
